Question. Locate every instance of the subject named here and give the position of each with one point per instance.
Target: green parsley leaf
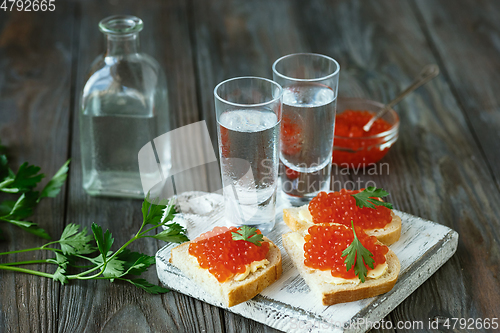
(104, 242)
(62, 261)
(22, 208)
(174, 234)
(6, 206)
(53, 187)
(24, 183)
(352, 254)
(136, 263)
(114, 267)
(4, 169)
(149, 287)
(366, 198)
(37, 231)
(26, 178)
(15, 212)
(248, 234)
(152, 210)
(126, 262)
(169, 212)
(22, 224)
(59, 275)
(74, 242)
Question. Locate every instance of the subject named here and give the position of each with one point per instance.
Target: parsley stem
(83, 257)
(20, 251)
(32, 249)
(78, 266)
(153, 228)
(139, 232)
(24, 270)
(51, 249)
(78, 277)
(49, 243)
(81, 276)
(43, 261)
(122, 248)
(6, 183)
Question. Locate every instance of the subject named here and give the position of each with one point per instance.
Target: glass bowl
(363, 151)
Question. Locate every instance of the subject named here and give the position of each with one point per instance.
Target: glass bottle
(123, 107)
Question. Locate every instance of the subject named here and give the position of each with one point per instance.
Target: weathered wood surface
(445, 166)
(464, 37)
(35, 95)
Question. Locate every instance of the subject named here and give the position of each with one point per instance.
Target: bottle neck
(122, 44)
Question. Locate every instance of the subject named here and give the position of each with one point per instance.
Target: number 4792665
(28, 5)
(471, 323)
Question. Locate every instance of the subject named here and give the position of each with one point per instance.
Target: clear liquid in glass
(113, 132)
(248, 145)
(307, 140)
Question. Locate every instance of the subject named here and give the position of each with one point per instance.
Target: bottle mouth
(121, 25)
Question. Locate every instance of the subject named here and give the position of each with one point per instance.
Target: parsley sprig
(367, 197)
(353, 253)
(77, 245)
(23, 183)
(248, 234)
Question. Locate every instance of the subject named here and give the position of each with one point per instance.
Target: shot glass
(248, 111)
(310, 85)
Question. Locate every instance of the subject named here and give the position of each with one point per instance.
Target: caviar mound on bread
(322, 253)
(233, 264)
(342, 207)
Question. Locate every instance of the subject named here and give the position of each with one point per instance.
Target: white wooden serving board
(288, 304)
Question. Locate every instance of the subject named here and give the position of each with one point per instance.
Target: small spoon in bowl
(428, 72)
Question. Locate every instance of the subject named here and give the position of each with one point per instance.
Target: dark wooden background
(445, 166)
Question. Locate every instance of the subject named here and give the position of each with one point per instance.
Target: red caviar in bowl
(324, 246)
(350, 124)
(224, 257)
(353, 146)
(340, 207)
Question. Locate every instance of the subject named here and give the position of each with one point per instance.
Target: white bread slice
(231, 292)
(332, 294)
(388, 235)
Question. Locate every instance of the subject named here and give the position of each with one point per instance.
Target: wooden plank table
(445, 166)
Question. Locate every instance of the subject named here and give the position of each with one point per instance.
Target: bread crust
(332, 294)
(387, 235)
(231, 292)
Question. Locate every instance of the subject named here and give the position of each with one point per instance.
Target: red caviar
(224, 141)
(291, 174)
(349, 134)
(340, 207)
(324, 246)
(224, 257)
(291, 136)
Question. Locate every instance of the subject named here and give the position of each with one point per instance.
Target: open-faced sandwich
(365, 207)
(233, 264)
(340, 263)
